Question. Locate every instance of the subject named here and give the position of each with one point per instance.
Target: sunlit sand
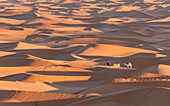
(84, 52)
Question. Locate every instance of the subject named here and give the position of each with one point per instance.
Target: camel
(128, 65)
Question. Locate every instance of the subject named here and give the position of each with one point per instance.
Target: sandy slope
(54, 52)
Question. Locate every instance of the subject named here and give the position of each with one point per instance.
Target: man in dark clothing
(108, 63)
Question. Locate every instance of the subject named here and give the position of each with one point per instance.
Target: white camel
(128, 65)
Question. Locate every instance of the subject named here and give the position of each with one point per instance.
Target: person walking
(118, 65)
(108, 63)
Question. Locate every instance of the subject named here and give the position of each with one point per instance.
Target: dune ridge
(54, 52)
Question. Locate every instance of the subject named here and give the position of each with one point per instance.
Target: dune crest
(84, 52)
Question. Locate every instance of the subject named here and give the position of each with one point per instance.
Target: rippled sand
(54, 52)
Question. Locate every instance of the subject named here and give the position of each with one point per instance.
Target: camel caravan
(127, 65)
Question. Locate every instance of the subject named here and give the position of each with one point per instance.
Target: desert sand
(54, 52)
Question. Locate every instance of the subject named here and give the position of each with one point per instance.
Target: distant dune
(78, 52)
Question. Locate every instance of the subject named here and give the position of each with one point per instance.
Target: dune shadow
(150, 59)
(6, 46)
(62, 73)
(151, 84)
(16, 28)
(15, 77)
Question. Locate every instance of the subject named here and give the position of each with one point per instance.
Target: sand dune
(99, 50)
(160, 69)
(40, 96)
(51, 78)
(29, 46)
(54, 52)
(24, 86)
(125, 98)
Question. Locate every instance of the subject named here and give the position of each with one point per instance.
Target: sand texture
(55, 52)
